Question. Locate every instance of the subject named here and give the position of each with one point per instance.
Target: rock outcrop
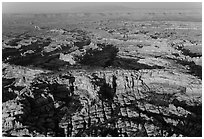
(111, 78)
(108, 103)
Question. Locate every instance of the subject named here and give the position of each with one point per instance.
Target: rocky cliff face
(102, 103)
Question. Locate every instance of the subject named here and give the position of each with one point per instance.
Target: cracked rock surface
(101, 78)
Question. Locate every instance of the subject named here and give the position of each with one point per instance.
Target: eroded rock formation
(102, 103)
(133, 79)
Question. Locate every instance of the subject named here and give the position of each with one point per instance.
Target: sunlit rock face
(87, 100)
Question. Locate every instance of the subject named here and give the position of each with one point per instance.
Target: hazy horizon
(59, 7)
